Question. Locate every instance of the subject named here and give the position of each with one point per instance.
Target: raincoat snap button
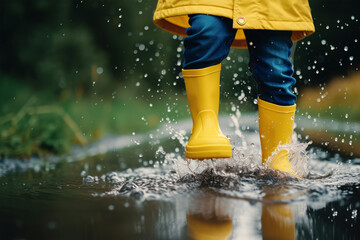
(241, 21)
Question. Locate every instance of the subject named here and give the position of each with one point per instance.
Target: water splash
(295, 154)
(239, 178)
(242, 176)
(235, 119)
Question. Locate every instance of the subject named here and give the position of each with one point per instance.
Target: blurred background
(74, 71)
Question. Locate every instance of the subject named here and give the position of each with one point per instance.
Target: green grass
(37, 123)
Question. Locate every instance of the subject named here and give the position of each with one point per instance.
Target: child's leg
(271, 67)
(208, 43)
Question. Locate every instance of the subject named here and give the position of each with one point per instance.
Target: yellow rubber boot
(203, 92)
(276, 127)
(277, 220)
(209, 229)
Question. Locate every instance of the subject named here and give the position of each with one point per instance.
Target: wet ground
(140, 187)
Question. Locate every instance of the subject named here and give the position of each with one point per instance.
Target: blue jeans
(208, 43)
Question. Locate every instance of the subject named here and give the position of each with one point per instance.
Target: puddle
(139, 187)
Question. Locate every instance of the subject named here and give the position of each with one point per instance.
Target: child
(211, 27)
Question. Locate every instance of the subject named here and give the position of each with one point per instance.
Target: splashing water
(296, 155)
(237, 131)
(242, 177)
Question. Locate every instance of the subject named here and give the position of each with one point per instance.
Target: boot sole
(208, 152)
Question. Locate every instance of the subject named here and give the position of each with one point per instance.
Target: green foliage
(25, 133)
(71, 59)
(69, 44)
(43, 124)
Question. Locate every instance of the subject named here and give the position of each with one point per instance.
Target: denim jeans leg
(208, 41)
(270, 65)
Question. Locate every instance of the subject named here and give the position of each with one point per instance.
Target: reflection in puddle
(209, 217)
(214, 217)
(277, 220)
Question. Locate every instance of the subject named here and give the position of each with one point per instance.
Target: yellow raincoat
(291, 15)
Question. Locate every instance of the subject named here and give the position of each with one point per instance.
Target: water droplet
(354, 213)
(128, 186)
(99, 70)
(141, 47)
(89, 179)
(98, 167)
